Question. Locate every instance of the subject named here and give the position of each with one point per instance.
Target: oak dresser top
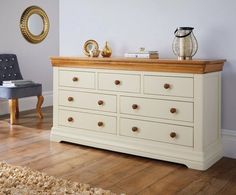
(196, 66)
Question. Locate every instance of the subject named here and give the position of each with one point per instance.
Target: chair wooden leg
(38, 107)
(17, 108)
(12, 108)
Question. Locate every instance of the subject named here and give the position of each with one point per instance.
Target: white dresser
(161, 109)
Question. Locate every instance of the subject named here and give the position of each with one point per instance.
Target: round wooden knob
(100, 124)
(173, 110)
(117, 82)
(100, 102)
(70, 99)
(75, 79)
(173, 134)
(166, 86)
(134, 129)
(135, 106)
(70, 119)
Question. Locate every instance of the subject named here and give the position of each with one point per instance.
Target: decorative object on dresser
(142, 53)
(106, 52)
(13, 87)
(185, 44)
(149, 55)
(161, 109)
(91, 48)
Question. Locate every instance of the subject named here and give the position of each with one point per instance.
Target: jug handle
(178, 36)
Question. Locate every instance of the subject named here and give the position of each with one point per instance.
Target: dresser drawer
(174, 110)
(77, 79)
(174, 134)
(93, 122)
(85, 100)
(172, 86)
(119, 82)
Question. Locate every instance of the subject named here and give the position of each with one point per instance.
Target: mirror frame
(25, 28)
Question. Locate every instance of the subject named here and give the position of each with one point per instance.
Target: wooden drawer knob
(70, 99)
(75, 79)
(173, 134)
(117, 82)
(135, 106)
(167, 86)
(100, 102)
(100, 124)
(173, 110)
(134, 129)
(70, 119)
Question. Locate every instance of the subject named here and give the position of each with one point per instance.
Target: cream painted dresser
(161, 109)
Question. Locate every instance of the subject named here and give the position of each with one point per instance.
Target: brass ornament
(106, 52)
(25, 28)
(91, 48)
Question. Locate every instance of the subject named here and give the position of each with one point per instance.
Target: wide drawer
(77, 79)
(174, 134)
(85, 100)
(172, 86)
(87, 121)
(119, 82)
(174, 110)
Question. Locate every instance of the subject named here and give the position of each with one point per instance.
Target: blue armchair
(9, 70)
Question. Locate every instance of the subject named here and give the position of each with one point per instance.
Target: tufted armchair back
(9, 68)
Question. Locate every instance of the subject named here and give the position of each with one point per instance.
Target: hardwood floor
(27, 144)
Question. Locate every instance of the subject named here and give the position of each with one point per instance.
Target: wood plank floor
(27, 144)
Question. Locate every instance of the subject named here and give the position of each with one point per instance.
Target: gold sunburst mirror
(34, 24)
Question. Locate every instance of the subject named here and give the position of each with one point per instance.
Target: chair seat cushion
(34, 89)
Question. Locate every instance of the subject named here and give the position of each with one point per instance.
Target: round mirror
(34, 24)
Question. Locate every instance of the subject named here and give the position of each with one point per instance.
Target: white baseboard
(229, 143)
(28, 103)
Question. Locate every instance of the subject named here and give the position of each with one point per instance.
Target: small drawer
(86, 121)
(171, 86)
(173, 110)
(77, 79)
(161, 132)
(85, 100)
(119, 82)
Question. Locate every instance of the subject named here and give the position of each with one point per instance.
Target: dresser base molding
(160, 151)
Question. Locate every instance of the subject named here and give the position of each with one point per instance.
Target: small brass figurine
(106, 52)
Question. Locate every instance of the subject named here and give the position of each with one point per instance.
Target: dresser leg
(38, 106)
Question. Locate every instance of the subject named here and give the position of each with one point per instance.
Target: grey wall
(130, 24)
(33, 58)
